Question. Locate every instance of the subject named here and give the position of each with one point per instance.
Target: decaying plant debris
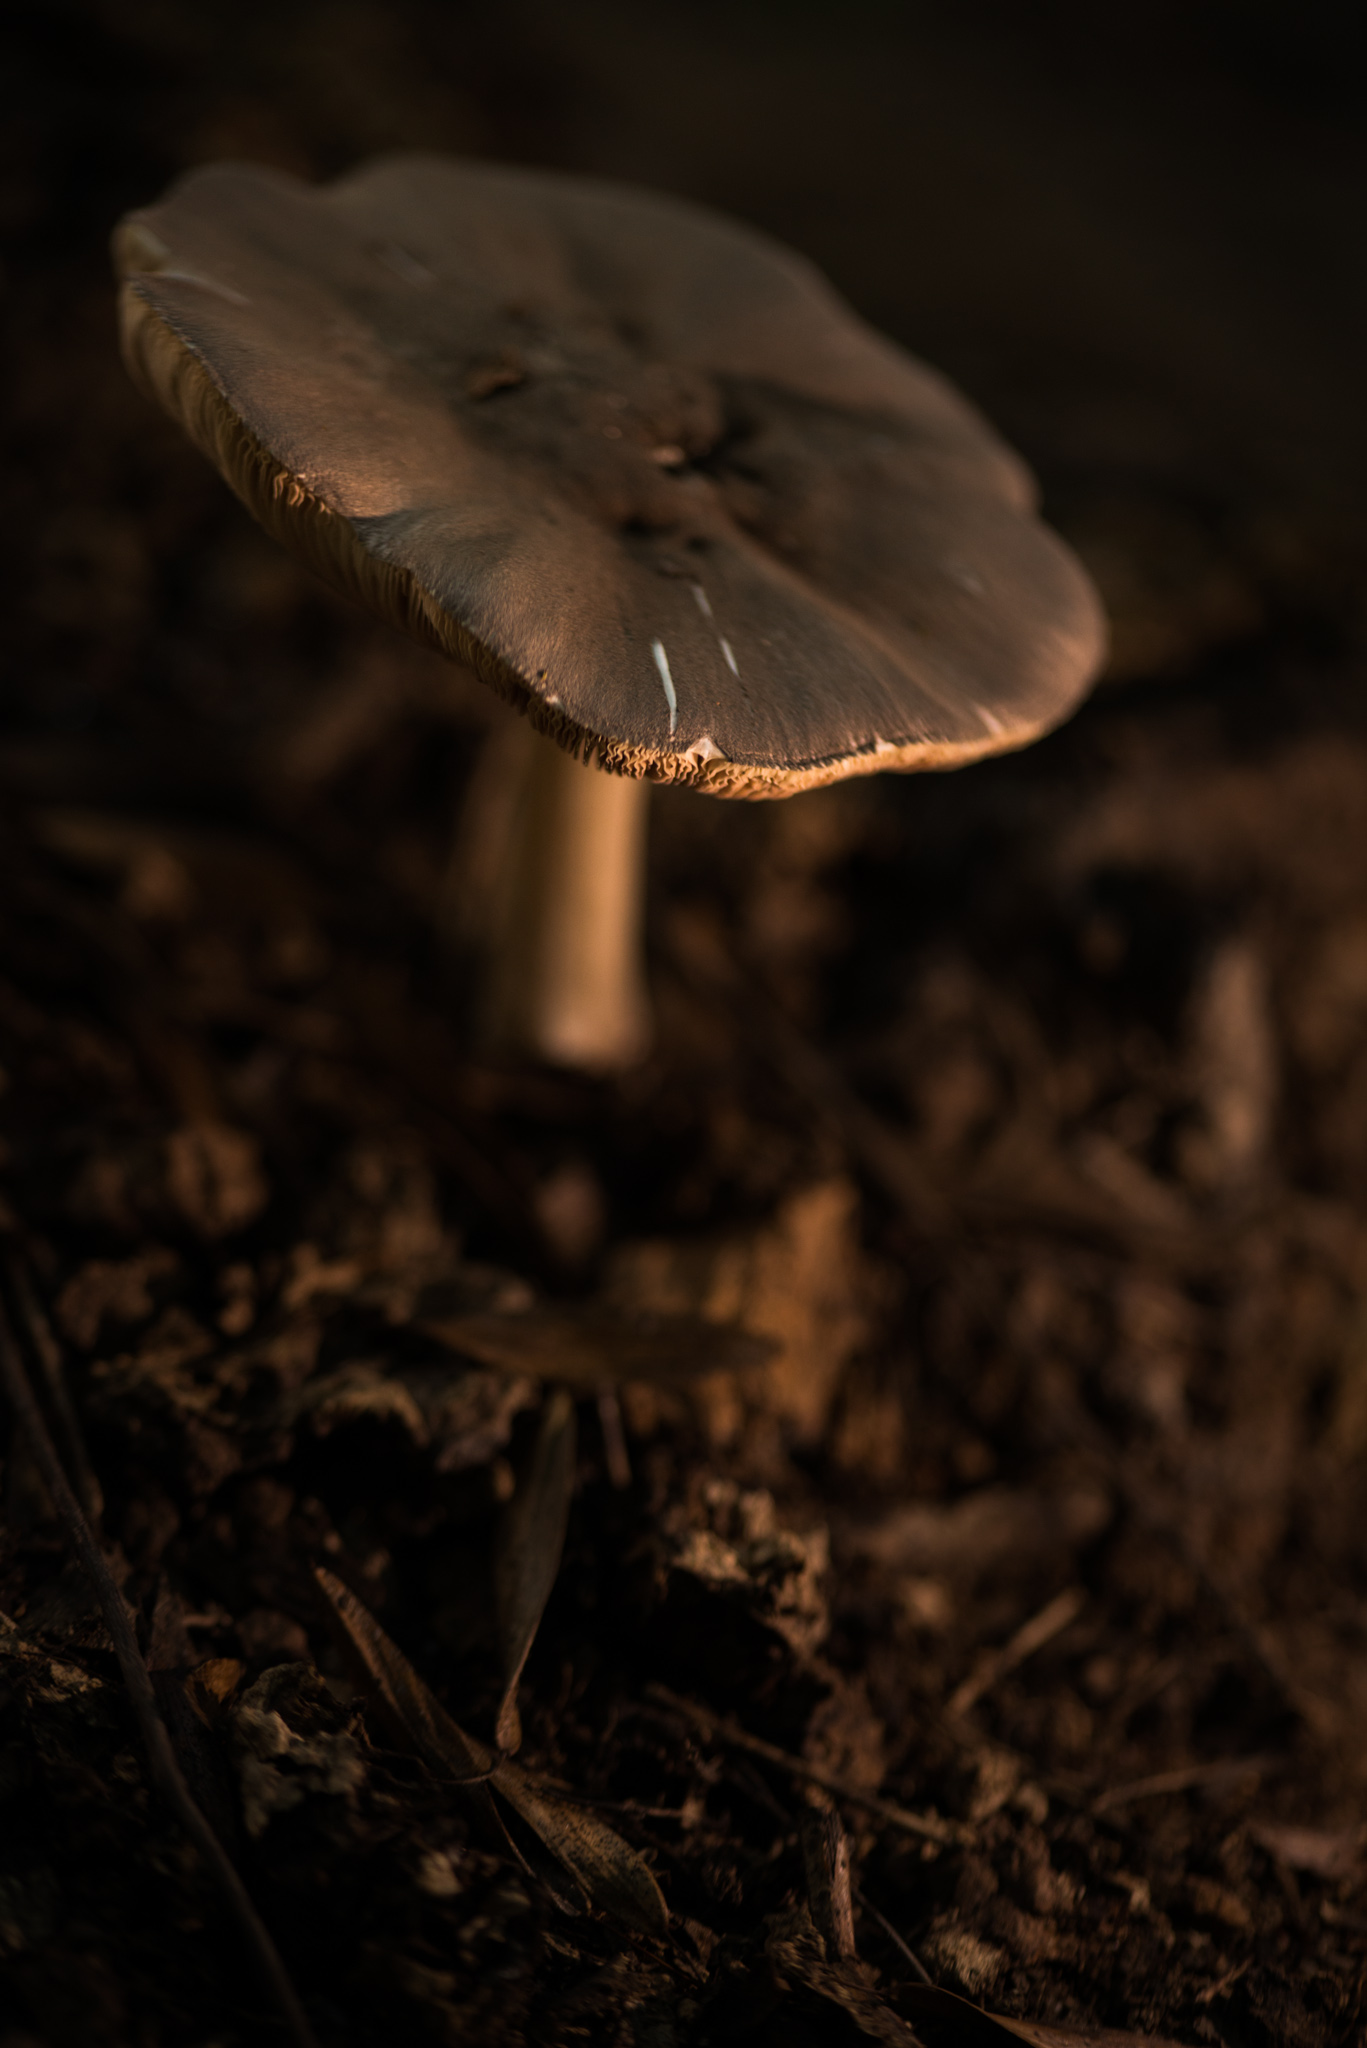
(953, 1340)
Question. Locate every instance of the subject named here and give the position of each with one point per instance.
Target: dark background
(1132, 234)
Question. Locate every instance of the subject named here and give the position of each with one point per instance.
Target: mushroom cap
(636, 464)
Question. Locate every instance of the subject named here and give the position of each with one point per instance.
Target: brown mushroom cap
(636, 464)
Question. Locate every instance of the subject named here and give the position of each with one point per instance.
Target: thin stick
(50, 1358)
(1223, 1985)
(1189, 1778)
(866, 1905)
(166, 1772)
(1041, 1628)
(615, 1454)
(929, 1827)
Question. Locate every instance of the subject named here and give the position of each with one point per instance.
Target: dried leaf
(531, 1538)
(611, 1873)
(416, 1720)
(414, 1716)
(601, 1867)
(972, 2024)
(590, 1347)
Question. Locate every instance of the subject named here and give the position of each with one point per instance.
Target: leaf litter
(527, 1550)
(611, 1875)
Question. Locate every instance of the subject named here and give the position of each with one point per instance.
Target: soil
(1022, 1113)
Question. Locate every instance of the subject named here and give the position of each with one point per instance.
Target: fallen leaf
(602, 1868)
(613, 1876)
(413, 1716)
(531, 1537)
(591, 1347)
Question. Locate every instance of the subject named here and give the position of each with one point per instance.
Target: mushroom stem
(563, 928)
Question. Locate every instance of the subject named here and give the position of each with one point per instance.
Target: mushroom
(641, 469)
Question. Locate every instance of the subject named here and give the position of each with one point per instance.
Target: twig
(929, 1827)
(866, 1905)
(1032, 1635)
(1222, 1986)
(615, 1454)
(166, 1772)
(49, 1357)
(1190, 1778)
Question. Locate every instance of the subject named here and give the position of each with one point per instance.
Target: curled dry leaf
(545, 1831)
(590, 1347)
(531, 1537)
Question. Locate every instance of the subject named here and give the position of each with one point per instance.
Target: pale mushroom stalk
(643, 471)
(563, 927)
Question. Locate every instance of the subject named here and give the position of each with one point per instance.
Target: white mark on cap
(990, 720)
(205, 284)
(705, 749)
(657, 648)
(701, 600)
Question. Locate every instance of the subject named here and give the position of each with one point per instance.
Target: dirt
(1021, 1114)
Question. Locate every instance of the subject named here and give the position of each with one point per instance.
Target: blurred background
(1131, 234)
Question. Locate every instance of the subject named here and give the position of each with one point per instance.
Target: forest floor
(1019, 1117)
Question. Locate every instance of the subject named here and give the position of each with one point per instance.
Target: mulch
(964, 1612)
